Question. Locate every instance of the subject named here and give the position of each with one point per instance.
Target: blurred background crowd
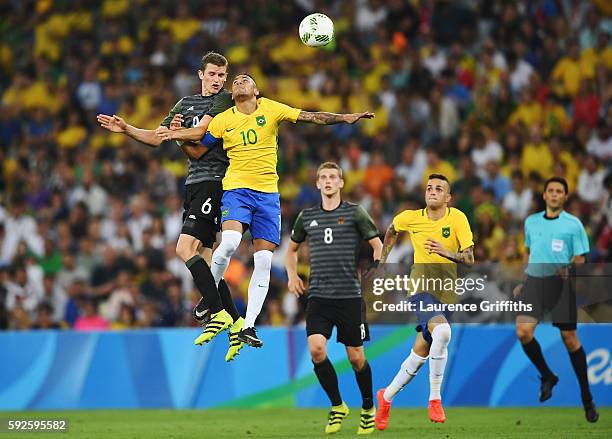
(496, 95)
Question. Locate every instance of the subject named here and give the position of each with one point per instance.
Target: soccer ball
(316, 30)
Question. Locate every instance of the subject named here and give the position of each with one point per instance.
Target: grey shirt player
(334, 237)
(212, 165)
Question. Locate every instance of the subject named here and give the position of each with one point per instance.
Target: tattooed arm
(324, 118)
(465, 256)
(389, 242)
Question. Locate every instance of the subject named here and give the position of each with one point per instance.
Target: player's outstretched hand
(164, 133)
(112, 123)
(433, 246)
(354, 117)
(177, 122)
(296, 286)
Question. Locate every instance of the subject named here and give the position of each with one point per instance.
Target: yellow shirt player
(441, 237)
(249, 132)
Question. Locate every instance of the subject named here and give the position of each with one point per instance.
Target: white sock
(230, 240)
(438, 354)
(407, 372)
(258, 287)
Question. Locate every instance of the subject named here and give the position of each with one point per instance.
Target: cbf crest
(446, 232)
(261, 120)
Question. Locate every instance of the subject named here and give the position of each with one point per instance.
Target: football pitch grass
(309, 423)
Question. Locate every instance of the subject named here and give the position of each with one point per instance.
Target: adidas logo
(190, 108)
(314, 223)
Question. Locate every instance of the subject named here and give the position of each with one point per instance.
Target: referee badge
(446, 232)
(261, 120)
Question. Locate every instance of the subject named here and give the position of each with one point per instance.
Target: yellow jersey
(251, 143)
(452, 231)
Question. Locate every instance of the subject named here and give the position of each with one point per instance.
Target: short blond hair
(330, 165)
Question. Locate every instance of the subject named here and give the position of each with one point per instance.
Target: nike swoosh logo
(229, 129)
(262, 286)
(414, 233)
(200, 314)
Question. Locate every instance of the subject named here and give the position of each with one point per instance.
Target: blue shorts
(260, 211)
(423, 317)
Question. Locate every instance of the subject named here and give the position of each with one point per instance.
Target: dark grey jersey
(212, 165)
(334, 238)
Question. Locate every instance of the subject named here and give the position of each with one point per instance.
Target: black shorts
(202, 215)
(347, 315)
(551, 294)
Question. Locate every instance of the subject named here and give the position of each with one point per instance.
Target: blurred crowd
(498, 96)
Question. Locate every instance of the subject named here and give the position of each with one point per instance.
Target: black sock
(534, 352)
(226, 299)
(364, 381)
(204, 280)
(329, 380)
(580, 369)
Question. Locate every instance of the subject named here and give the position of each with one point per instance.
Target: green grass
(309, 423)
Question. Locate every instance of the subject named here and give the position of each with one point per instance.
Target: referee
(554, 240)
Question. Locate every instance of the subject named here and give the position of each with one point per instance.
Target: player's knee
(570, 339)
(230, 240)
(263, 260)
(524, 333)
(186, 247)
(441, 333)
(357, 359)
(318, 353)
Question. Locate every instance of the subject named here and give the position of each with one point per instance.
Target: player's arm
(388, 243)
(221, 102)
(324, 118)
(295, 284)
(117, 124)
(369, 232)
(580, 244)
(193, 134)
(298, 235)
(465, 256)
(377, 247)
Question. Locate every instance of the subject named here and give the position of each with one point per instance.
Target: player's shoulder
(453, 212)
(350, 205)
(407, 216)
(572, 219)
(534, 217)
(226, 114)
(310, 210)
(185, 100)
(411, 213)
(269, 104)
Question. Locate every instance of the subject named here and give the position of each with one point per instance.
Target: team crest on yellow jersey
(446, 232)
(261, 120)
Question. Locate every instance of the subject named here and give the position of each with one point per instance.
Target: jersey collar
(334, 209)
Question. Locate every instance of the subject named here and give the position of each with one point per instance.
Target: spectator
(496, 181)
(519, 200)
(412, 165)
(590, 181)
(90, 319)
(19, 227)
(45, 318)
(377, 175)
